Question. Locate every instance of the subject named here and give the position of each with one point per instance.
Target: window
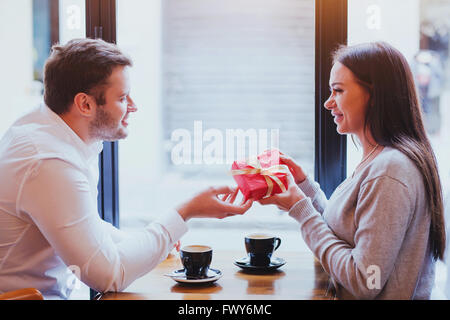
(206, 70)
(36, 25)
(370, 20)
(21, 88)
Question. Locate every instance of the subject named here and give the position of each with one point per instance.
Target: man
(49, 176)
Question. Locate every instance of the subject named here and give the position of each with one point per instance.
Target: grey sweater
(371, 236)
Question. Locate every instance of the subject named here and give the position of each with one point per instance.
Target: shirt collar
(89, 151)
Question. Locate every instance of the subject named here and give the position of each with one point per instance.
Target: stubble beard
(104, 128)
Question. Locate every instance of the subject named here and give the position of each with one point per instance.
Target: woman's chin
(341, 130)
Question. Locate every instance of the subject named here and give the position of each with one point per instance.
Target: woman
(382, 230)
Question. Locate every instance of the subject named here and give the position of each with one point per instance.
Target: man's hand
(284, 201)
(214, 202)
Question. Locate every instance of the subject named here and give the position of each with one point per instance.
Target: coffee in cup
(196, 260)
(260, 248)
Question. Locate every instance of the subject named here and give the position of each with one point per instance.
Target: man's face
(111, 119)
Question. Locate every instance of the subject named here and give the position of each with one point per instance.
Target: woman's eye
(336, 90)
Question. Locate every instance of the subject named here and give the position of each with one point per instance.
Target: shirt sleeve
(382, 215)
(312, 190)
(58, 198)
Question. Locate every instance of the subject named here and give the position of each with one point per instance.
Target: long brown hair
(394, 119)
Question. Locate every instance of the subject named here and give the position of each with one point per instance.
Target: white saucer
(180, 276)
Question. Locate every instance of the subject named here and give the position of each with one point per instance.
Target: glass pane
(370, 20)
(28, 28)
(420, 30)
(207, 76)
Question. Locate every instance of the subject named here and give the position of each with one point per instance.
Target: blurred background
(229, 65)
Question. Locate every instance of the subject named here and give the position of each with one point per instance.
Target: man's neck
(79, 127)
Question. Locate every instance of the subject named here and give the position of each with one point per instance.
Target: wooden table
(301, 278)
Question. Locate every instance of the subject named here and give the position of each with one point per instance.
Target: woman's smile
(338, 117)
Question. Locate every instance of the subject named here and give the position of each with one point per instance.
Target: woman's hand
(296, 170)
(214, 202)
(285, 200)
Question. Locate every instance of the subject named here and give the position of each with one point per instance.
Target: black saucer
(180, 276)
(275, 263)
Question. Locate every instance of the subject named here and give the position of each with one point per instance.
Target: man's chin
(122, 134)
(118, 135)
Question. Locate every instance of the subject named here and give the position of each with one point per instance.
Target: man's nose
(131, 105)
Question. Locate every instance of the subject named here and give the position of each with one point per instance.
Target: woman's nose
(329, 104)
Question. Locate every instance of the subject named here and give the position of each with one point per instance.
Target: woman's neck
(368, 143)
(370, 150)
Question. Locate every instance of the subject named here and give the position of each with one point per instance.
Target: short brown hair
(81, 65)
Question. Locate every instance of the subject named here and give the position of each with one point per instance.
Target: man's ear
(84, 104)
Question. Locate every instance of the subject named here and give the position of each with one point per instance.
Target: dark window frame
(331, 148)
(330, 153)
(101, 23)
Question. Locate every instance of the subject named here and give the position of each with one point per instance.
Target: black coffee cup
(196, 260)
(260, 247)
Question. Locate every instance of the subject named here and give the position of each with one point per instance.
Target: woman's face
(348, 101)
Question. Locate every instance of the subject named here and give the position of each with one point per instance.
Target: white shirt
(49, 223)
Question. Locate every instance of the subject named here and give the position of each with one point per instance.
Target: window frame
(331, 148)
(101, 23)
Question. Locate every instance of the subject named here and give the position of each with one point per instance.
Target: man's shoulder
(35, 136)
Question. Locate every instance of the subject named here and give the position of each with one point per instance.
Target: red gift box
(262, 176)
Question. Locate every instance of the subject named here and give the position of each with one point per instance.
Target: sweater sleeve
(312, 190)
(381, 218)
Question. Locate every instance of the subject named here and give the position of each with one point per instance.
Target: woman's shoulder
(394, 164)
